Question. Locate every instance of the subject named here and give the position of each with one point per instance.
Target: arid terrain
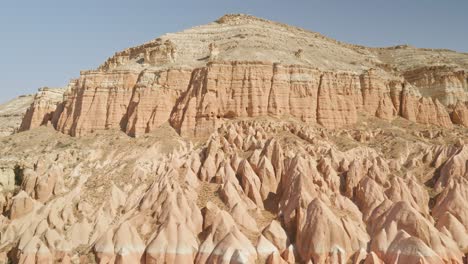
(11, 114)
(242, 141)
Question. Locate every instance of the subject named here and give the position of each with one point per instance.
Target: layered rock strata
(12, 112)
(307, 150)
(195, 102)
(44, 110)
(200, 77)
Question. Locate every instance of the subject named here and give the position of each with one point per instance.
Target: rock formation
(12, 112)
(244, 141)
(256, 191)
(44, 109)
(252, 68)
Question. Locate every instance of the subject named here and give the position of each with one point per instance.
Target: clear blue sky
(47, 42)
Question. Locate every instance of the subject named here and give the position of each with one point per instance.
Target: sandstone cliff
(242, 66)
(46, 104)
(12, 112)
(250, 142)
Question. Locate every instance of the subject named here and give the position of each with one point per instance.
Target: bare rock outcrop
(196, 86)
(445, 83)
(21, 205)
(97, 101)
(262, 143)
(262, 191)
(325, 237)
(424, 110)
(42, 110)
(12, 113)
(459, 114)
(402, 230)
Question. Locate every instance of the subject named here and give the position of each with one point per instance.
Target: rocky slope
(251, 142)
(12, 112)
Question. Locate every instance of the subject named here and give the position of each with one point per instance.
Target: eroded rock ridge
(242, 66)
(250, 142)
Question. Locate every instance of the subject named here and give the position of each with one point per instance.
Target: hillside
(11, 114)
(244, 141)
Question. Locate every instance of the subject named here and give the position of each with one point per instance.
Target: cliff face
(132, 101)
(96, 101)
(43, 109)
(253, 89)
(306, 150)
(153, 99)
(197, 78)
(448, 84)
(196, 101)
(460, 114)
(12, 112)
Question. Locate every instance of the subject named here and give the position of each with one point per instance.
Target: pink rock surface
(244, 150)
(195, 102)
(460, 114)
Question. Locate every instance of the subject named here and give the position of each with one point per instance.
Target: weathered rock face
(139, 102)
(97, 101)
(315, 151)
(199, 77)
(325, 237)
(246, 89)
(445, 83)
(132, 101)
(12, 112)
(255, 192)
(424, 110)
(153, 99)
(7, 178)
(460, 114)
(42, 110)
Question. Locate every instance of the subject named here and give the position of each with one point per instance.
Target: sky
(48, 42)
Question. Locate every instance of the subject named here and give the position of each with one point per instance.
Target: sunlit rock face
(244, 141)
(268, 191)
(44, 110)
(242, 66)
(12, 113)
